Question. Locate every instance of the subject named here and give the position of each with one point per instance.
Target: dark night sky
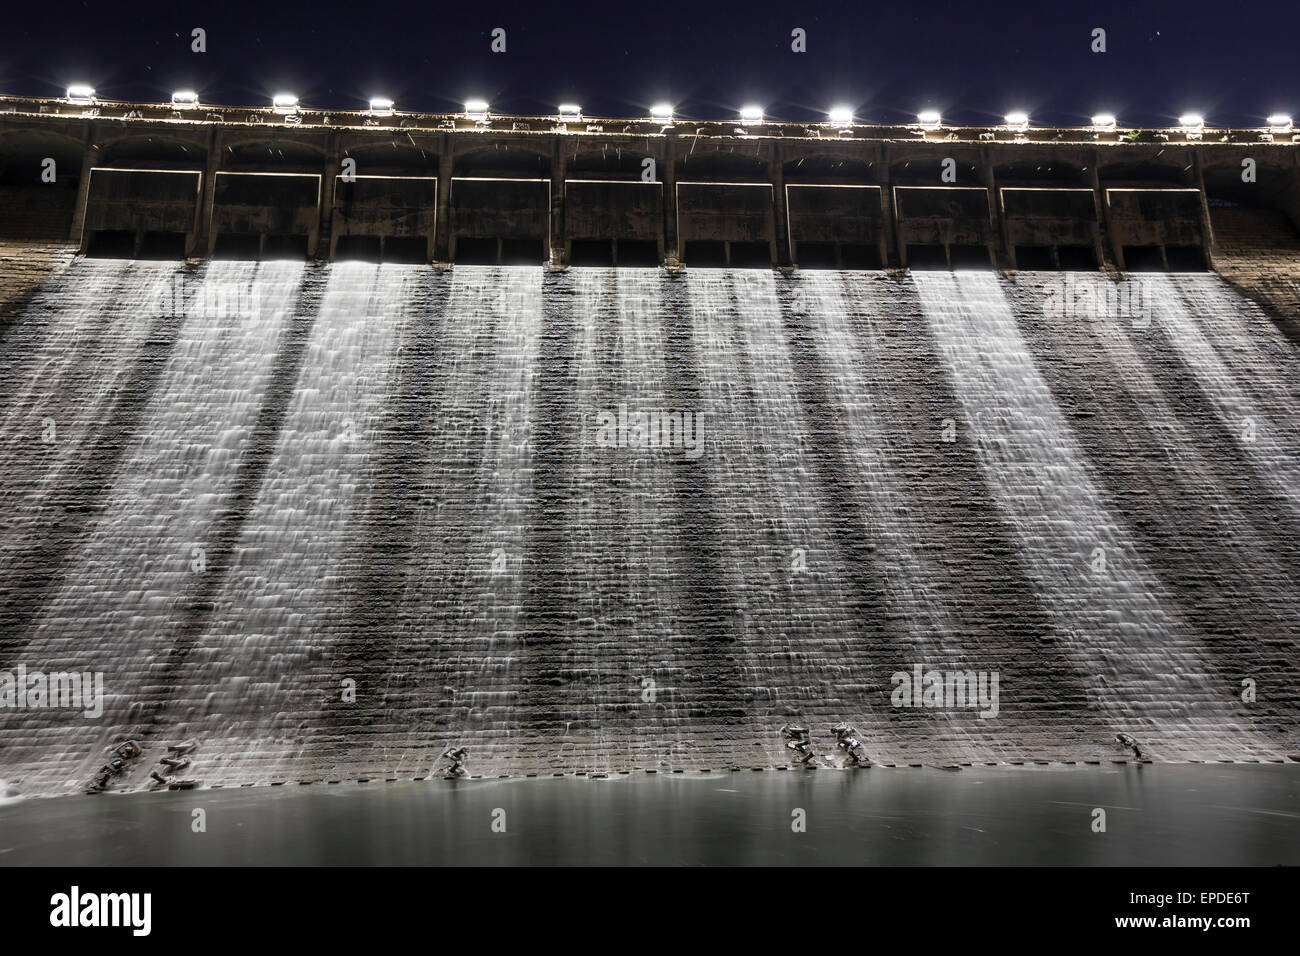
(1234, 62)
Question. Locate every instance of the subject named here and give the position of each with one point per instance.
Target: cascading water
(1125, 635)
(326, 521)
(116, 602)
(1231, 352)
(451, 658)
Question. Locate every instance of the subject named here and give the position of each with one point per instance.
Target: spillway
(326, 520)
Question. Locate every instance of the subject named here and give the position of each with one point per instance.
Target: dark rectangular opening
(111, 244)
(1034, 258)
(926, 257)
(357, 249)
(751, 255)
(476, 252)
(285, 247)
(591, 252)
(860, 255)
(1143, 259)
(236, 245)
(522, 252)
(707, 253)
(1077, 258)
(970, 257)
(816, 255)
(163, 245)
(1185, 258)
(408, 249)
(638, 252)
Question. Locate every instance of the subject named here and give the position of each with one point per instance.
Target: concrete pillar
(1117, 251)
(321, 245)
(780, 209)
(442, 251)
(892, 253)
(202, 241)
(1004, 257)
(1098, 241)
(89, 160)
(558, 236)
(1207, 227)
(667, 164)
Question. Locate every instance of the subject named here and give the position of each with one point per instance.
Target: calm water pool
(1155, 815)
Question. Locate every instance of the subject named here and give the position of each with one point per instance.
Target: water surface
(1173, 815)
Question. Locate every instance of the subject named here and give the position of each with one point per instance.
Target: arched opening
(39, 175)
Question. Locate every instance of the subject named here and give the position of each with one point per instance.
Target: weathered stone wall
(24, 266)
(1258, 251)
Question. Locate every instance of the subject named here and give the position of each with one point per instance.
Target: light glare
(751, 114)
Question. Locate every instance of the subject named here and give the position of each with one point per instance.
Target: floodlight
(1017, 121)
(841, 115)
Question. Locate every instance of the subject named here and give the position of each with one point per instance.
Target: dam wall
(324, 510)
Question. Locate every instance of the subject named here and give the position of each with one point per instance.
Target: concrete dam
(330, 441)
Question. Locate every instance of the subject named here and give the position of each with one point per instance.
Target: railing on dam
(149, 181)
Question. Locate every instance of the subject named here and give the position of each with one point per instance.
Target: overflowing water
(327, 521)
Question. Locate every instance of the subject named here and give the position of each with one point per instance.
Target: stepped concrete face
(327, 518)
(268, 485)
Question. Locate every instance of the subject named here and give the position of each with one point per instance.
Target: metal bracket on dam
(149, 181)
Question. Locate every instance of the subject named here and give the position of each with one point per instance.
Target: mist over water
(327, 520)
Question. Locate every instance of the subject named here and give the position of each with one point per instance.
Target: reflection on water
(1155, 815)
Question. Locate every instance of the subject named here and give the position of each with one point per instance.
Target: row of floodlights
(841, 116)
